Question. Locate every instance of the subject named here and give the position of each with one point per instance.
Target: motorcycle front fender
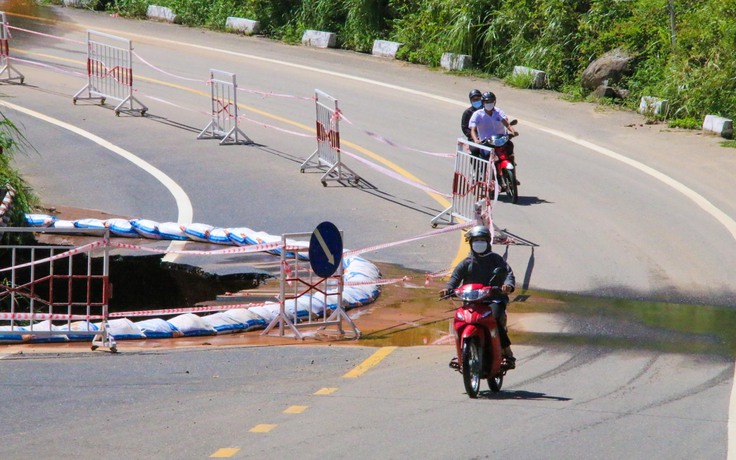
(505, 164)
(471, 330)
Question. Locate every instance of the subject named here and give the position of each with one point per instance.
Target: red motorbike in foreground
(477, 340)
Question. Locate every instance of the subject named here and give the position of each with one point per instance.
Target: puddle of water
(610, 323)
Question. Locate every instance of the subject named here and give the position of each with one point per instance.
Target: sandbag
(121, 227)
(146, 228)
(40, 220)
(190, 324)
(197, 232)
(157, 328)
(171, 231)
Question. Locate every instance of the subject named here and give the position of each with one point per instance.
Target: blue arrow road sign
(325, 249)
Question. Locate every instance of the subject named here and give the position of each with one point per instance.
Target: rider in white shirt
(492, 121)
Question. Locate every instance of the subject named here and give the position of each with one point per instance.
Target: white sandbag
(239, 235)
(40, 220)
(356, 296)
(301, 254)
(360, 265)
(157, 328)
(219, 236)
(45, 326)
(265, 238)
(18, 334)
(273, 308)
(171, 231)
(223, 323)
(259, 238)
(314, 302)
(92, 224)
(197, 232)
(83, 326)
(266, 313)
(65, 224)
(190, 324)
(123, 329)
(121, 227)
(251, 320)
(146, 228)
(300, 307)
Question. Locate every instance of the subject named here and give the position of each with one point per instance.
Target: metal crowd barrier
(298, 280)
(473, 185)
(328, 142)
(5, 66)
(50, 292)
(110, 72)
(224, 110)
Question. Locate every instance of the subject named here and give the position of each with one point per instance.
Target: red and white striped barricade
(224, 111)
(110, 72)
(6, 68)
(474, 186)
(306, 299)
(327, 154)
(52, 292)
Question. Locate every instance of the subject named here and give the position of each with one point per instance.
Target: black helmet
(474, 93)
(488, 96)
(479, 232)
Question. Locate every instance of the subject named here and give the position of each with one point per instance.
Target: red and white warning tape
(178, 311)
(45, 316)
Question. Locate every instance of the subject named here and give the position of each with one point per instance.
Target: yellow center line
(225, 452)
(325, 391)
(372, 361)
(263, 428)
(295, 409)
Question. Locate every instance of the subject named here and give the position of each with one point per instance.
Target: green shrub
(685, 123)
(25, 201)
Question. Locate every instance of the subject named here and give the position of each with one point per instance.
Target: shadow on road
(523, 200)
(521, 395)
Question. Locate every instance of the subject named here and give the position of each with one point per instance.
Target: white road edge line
(183, 204)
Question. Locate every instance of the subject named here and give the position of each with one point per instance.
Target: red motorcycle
(477, 340)
(505, 169)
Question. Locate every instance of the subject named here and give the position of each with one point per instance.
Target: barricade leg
(5, 66)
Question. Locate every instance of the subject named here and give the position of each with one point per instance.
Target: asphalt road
(604, 223)
(298, 402)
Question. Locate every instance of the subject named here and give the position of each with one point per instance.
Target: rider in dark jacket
(478, 268)
(475, 104)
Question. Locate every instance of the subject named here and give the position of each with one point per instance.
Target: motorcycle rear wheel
(472, 365)
(512, 190)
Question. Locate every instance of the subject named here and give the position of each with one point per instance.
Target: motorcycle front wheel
(512, 190)
(471, 367)
(495, 383)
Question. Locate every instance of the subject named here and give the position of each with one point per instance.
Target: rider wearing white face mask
(478, 268)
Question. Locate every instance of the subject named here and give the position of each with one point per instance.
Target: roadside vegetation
(24, 200)
(683, 50)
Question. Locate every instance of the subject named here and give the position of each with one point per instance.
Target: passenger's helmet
(474, 93)
(488, 97)
(479, 232)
